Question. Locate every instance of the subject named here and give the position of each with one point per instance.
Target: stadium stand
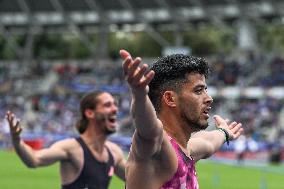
(246, 85)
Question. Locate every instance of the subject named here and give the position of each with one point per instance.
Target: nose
(114, 108)
(209, 99)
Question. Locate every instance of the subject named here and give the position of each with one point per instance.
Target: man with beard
(86, 162)
(170, 107)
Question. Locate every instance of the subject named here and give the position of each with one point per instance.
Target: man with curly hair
(170, 107)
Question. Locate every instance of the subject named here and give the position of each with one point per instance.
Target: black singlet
(95, 174)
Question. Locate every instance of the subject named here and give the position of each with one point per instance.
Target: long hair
(89, 101)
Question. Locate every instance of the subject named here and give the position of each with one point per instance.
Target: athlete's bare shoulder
(66, 142)
(115, 149)
(117, 153)
(69, 144)
(112, 145)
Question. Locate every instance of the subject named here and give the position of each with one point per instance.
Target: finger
(19, 130)
(13, 127)
(227, 121)
(124, 54)
(8, 116)
(139, 75)
(239, 133)
(219, 120)
(232, 125)
(17, 123)
(126, 64)
(147, 78)
(134, 67)
(8, 113)
(236, 128)
(11, 120)
(16, 127)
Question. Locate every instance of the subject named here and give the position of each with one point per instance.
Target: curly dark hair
(170, 74)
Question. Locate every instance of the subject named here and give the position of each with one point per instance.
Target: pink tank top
(185, 176)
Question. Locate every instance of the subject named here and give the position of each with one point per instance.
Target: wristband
(227, 136)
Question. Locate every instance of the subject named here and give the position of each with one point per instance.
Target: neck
(176, 129)
(94, 139)
(176, 133)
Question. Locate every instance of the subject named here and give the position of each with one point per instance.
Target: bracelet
(227, 136)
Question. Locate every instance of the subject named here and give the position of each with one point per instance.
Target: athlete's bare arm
(205, 143)
(120, 161)
(149, 131)
(152, 160)
(35, 158)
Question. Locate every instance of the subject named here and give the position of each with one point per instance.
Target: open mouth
(206, 112)
(112, 119)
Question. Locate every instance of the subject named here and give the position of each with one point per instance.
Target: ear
(170, 98)
(89, 113)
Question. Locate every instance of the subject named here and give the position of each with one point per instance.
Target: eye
(199, 91)
(108, 104)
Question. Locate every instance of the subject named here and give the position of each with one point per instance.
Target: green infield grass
(212, 175)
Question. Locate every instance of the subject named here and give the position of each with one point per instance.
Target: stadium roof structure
(34, 16)
(56, 12)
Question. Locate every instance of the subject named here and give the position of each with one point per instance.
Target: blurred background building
(53, 51)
